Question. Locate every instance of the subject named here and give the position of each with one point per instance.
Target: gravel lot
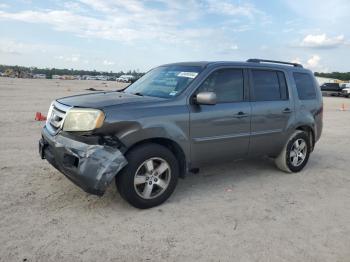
(242, 211)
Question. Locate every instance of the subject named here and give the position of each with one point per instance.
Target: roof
(253, 62)
(195, 63)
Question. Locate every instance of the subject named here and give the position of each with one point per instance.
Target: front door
(221, 131)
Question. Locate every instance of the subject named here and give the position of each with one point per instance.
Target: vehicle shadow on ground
(211, 179)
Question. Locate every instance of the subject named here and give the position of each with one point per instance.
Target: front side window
(164, 81)
(227, 84)
(269, 85)
(305, 86)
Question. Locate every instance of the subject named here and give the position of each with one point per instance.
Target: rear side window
(305, 86)
(269, 85)
(228, 85)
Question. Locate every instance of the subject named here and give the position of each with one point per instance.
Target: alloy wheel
(298, 152)
(152, 178)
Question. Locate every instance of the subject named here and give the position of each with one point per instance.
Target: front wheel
(295, 153)
(150, 176)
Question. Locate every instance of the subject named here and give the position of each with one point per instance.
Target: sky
(111, 35)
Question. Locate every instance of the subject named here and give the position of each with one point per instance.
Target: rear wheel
(150, 176)
(295, 153)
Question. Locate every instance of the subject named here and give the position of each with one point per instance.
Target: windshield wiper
(137, 94)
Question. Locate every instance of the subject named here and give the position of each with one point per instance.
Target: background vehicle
(345, 89)
(179, 117)
(331, 89)
(125, 78)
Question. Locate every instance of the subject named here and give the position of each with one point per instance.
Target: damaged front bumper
(90, 166)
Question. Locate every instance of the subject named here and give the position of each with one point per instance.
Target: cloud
(227, 49)
(313, 61)
(231, 9)
(12, 47)
(75, 58)
(108, 63)
(322, 41)
(73, 6)
(314, 64)
(128, 21)
(296, 60)
(83, 26)
(324, 12)
(4, 6)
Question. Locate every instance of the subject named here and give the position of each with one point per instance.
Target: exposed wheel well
(172, 146)
(310, 133)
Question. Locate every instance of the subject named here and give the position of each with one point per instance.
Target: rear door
(272, 111)
(221, 131)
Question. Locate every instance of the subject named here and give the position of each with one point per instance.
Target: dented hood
(105, 99)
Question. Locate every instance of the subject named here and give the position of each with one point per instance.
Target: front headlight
(83, 119)
(49, 113)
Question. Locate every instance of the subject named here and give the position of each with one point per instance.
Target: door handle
(240, 115)
(287, 111)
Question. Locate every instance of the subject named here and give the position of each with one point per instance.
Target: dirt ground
(242, 211)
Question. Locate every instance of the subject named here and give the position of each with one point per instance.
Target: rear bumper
(91, 167)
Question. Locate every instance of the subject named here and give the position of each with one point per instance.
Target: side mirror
(205, 98)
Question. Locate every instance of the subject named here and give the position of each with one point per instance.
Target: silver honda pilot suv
(180, 117)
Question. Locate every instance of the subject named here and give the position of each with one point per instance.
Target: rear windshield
(305, 86)
(164, 81)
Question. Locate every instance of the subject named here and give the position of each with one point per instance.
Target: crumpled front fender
(91, 167)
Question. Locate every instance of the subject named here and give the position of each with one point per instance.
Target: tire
(143, 182)
(285, 160)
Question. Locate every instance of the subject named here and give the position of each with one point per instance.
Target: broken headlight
(83, 119)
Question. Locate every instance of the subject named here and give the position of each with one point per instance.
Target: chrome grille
(56, 117)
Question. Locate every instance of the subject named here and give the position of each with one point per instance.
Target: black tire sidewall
(304, 136)
(125, 179)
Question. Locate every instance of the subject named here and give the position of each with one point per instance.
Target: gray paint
(207, 133)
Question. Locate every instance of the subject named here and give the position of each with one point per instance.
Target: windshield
(164, 81)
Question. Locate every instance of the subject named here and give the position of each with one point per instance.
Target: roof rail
(255, 60)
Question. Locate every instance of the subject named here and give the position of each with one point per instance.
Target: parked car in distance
(345, 89)
(180, 117)
(125, 78)
(331, 89)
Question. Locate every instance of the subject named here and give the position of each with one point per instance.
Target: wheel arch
(311, 133)
(174, 147)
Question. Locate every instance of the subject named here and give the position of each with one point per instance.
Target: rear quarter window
(305, 86)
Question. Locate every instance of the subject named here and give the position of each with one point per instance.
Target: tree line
(56, 71)
(337, 75)
(49, 72)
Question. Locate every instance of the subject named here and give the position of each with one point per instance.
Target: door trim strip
(215, 138)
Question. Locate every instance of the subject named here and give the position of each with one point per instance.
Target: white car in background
(125, 78)
(102, 77)
(345, 89)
